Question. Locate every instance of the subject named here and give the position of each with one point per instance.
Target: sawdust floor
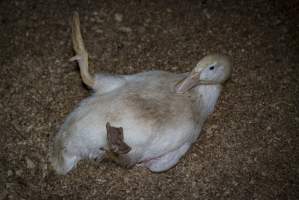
(248, 148)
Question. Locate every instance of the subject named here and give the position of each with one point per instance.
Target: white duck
(161, 113)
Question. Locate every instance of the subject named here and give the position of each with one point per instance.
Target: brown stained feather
(161, 110)
(148, 109)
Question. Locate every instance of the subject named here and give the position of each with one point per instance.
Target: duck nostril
(211, 68)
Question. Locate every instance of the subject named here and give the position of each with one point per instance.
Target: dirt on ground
(248, 148)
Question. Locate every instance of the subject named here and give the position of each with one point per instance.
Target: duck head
(211, 70)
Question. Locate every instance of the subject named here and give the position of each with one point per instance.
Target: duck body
(158, 114)
(159, 124)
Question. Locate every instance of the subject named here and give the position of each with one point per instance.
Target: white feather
(159, 125)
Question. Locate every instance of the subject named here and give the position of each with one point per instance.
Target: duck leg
(81, 53)
(116, 141)
(101, 83)
(117, 148)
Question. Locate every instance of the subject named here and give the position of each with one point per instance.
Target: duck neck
(208, 97)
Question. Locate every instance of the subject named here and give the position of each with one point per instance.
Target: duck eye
(211, 68)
